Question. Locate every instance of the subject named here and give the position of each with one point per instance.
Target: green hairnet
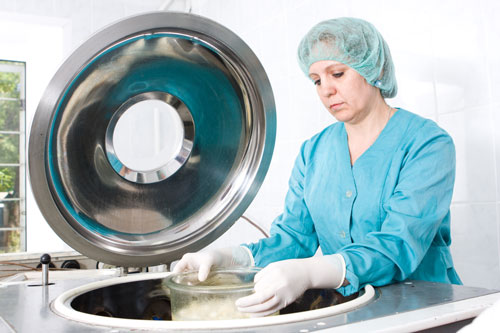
(355, 43)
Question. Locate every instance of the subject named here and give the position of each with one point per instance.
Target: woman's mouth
(336, 106)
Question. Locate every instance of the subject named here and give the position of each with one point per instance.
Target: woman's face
(344, 92)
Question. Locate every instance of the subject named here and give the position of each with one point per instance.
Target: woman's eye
(317, 82)
(339, 74)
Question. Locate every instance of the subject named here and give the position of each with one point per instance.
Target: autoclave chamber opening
(149, 300)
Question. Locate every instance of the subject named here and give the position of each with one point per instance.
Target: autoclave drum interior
(149, 300)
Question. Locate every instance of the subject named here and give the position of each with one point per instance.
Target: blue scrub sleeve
(292, 233)
(414, 212)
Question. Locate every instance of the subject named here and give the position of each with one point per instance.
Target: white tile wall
(459, 43)
(105, 12)
(495, 108)
(491, 12)
(475, 242)
(34, 7)
(7, 5)
(472, 132)
(447, 63)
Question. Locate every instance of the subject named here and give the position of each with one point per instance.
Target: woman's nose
(327, 88)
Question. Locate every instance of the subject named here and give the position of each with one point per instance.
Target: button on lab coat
(388, 215)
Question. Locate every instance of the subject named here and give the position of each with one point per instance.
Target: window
(12, 157)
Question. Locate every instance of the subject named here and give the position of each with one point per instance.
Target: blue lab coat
(388, 215)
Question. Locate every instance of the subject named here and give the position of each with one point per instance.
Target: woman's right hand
(203, 261)
(199, 261)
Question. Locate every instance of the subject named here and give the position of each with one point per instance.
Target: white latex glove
(203, 261)
(282, 282)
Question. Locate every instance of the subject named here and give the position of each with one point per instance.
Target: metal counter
(407, 306)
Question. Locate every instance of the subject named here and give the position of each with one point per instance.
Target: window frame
(18, 67)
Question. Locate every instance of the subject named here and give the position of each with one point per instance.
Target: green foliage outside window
(9, 121)
(6, 180)
(10, 127)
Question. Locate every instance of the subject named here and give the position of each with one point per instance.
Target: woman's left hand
(276, 286)
(282, 282)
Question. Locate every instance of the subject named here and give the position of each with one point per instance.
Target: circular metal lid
(177, 70)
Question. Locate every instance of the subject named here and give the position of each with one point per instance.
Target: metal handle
(45, 261)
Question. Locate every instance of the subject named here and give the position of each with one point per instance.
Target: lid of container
(152, 138)
(219, 280)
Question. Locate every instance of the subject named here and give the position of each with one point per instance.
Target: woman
(372, 190)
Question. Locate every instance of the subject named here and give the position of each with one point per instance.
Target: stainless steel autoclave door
(152, 138)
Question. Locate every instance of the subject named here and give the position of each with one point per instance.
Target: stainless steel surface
(45, 261)
(399, 299)
(15, 266)
(45, 274)
(128, 223)
(63, 306)
(155, 174)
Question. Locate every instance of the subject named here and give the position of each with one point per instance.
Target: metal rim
(62, 307)
(219, 212)
(171, 166)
